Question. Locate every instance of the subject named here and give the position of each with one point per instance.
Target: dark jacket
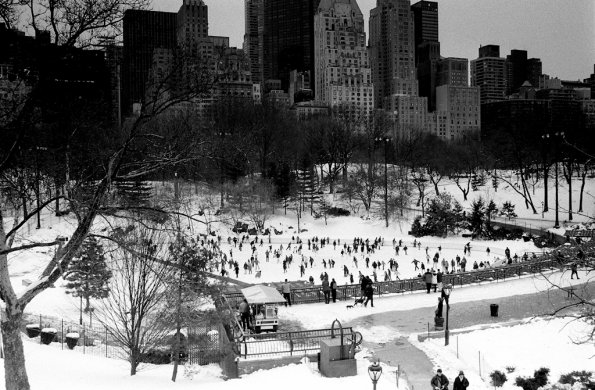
(439, 382)
(460, 384)
(325, 285)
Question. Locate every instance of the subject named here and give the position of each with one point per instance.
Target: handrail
(333, 334)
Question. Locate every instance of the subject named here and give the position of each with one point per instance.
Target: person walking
(334, 290)
(369, 292)
(326, 289)
(286, 289)
(434, 280)
(428, 280)
(245, 314)
(460, 383)
(439, 381)
(574, 270)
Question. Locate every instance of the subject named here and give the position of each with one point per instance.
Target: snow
(551, 341)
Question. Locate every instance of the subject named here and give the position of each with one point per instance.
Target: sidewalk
(418, 367)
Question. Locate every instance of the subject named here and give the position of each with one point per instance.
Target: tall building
(144, 31)
(488, 72)
(288, 38)
(427, 48)
(392, 50)
(254, 37)
(591, 82)
(453, 71)
(520, 69)
(342, 73)
(425, 18)
(192, 25)
(458, 112)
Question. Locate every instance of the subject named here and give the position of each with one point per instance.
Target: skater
(326, 289)
(428, 280)
(574, 270)
(415, 263)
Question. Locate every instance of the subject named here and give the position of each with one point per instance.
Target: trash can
(494, 310)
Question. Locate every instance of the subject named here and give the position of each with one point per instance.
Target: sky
(560, 32)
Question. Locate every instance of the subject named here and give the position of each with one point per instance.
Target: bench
(570, 290)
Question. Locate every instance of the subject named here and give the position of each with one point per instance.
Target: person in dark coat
(460, 383)
(369, 292)
(439, 381)
(326, 289)
(428, 280)
(334, 290)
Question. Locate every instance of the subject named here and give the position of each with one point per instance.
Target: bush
(498, 378)
(539, 380)
(586, 378)
(337, 212)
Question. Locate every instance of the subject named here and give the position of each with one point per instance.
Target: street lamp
(375, 371)
(386, 140)
(446, 290)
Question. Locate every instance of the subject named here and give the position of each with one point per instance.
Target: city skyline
(558, 33)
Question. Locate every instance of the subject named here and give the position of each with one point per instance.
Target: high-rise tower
(342, 73)
(192, 24)
(144, 31)
(254, 37)
(288, 38)
(488, 72)
(427, 48)
(392, 49)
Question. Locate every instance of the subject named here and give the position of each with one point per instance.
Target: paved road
(419, 369)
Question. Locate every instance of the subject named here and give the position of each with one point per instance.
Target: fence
(202, 344)
(298, 343)
(315, 295)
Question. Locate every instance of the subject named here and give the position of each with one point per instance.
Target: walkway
(416, 365)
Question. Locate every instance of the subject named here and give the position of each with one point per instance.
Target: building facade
(254, 37)
(343, 77)
(392, 50)
(459, 111)
(288, 38)
(488, 72)
(453, 71)
(144, 31)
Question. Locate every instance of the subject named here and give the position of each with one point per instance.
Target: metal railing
(351, 291)
(298, 343)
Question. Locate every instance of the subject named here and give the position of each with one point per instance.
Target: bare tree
(133, 311)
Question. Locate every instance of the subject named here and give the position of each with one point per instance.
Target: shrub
(510, 369)
(337, 212)
(498, 378)
(539, 380)
(586, 378)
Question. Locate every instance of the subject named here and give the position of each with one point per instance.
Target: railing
(315, 295)
(276, 345)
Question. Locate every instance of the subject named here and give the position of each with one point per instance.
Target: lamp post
(446, 290)
(545, 207)
(558, 135)
(375, 371)
(386, 140)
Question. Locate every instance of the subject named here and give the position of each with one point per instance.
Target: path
(416, 365)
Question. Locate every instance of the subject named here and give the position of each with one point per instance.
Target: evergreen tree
(491, 212)
(507, 210)
(477, 217)
(87, 274)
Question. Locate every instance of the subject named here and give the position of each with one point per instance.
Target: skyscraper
(488, 72)
(392, 50)
(192, 25)
(520, 69)
(453, 71)
(144, 31)
(254, 37)
(427, 48)
(288, 38)
(342, 72)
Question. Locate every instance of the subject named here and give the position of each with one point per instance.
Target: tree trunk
(15, 373)
(580, 203)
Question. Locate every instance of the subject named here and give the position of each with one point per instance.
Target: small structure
(337, 358)
(264, 301)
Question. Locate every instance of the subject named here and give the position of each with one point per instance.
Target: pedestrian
(439, 280)
(439, 381)
(428, 280)
(286, 289)
(326, 289)
(369, 292)
(334, 290)
(574, 270)
(245, 314)
(460, 383)
(434, 280)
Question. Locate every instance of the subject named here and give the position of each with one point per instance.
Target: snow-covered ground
(54, 369)
(558, 344)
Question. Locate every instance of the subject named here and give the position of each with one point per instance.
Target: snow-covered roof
(262, 294)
